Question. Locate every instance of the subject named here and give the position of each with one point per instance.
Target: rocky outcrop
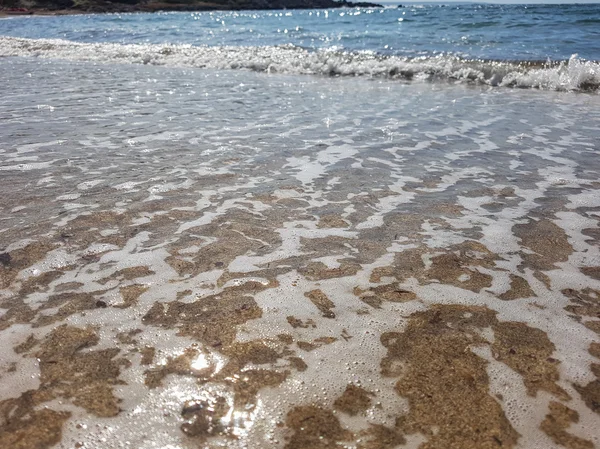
(99, 6)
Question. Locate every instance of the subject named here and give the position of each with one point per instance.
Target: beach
(201, 256)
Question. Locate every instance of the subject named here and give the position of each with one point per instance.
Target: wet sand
(208, 259)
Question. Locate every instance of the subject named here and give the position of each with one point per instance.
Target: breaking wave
(572, 75)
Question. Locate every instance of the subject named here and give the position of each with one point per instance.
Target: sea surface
(546, 46)
(351, 228)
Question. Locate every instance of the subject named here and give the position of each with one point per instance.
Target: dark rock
(111, 6)
(5, 259)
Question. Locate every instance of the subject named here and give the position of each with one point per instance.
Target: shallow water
(208, 258)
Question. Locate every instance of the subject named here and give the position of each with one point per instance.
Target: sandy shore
(197, 258)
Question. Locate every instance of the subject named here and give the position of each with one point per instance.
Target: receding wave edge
(572, 75)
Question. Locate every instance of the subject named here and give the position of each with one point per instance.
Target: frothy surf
(573, 75)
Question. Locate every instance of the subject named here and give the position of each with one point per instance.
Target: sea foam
(573, 75)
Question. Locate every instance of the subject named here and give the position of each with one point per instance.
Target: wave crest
(572, 75)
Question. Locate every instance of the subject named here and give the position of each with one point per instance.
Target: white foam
(86, 185)
(523, 411)
(574, 74)
(18, 373)
(68, 197)
(27, 166)
(55, 259)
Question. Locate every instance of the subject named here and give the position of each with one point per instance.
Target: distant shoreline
(160, 6)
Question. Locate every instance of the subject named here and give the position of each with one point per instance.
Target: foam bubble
(574, 74)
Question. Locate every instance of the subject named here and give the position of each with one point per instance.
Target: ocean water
(354, 234)
(547, 46)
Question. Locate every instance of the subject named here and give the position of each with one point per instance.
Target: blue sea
(545, 46)
(309, 229)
